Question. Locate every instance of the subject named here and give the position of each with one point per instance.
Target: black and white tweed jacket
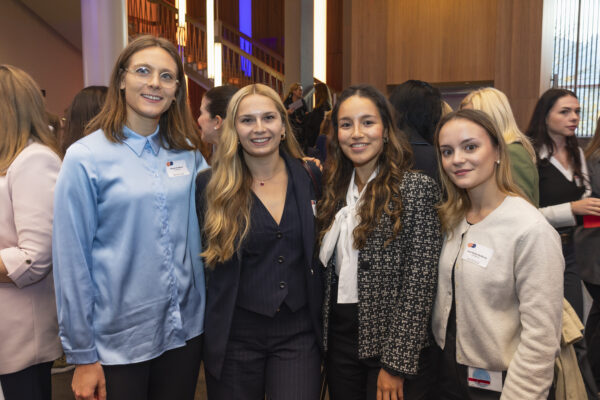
(397, 283)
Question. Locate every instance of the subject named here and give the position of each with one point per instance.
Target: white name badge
(177, 168)
(313, 203)
(484, 379)
(477, 254)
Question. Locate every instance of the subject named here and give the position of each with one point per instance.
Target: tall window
(576, 63)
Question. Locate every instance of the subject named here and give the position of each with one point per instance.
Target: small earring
(385, 140)
(498, 162)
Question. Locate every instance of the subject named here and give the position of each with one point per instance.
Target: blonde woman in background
(521, 153)
(29, 165)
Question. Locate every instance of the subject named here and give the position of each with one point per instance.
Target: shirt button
(282, 285)
(279, 235)
(312, 272)
(280, 259)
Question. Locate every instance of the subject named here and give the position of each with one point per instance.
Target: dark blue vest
(273, 267)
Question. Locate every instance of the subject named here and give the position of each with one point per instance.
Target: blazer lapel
(304, 196)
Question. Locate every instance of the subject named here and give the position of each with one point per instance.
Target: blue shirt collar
(137, 142)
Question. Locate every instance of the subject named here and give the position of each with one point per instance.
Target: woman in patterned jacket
(380, 242)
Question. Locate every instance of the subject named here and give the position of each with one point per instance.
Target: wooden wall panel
(335, 44)
(441, 41)
(268, 23)
(518, 55)
(368, 42)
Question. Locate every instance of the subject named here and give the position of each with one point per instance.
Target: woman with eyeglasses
(129, 279)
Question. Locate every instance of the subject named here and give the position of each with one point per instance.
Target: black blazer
(223, 281)
(397, 283)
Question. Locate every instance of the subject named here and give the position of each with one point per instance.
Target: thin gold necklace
(261, 182)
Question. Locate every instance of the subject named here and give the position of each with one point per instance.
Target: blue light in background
(245, 18)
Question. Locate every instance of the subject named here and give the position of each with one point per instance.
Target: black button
(279, 235)
(282, 285)
(28, 262)
(280, 259)
(364, 265)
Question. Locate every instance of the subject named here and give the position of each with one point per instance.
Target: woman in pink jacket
(29, 167)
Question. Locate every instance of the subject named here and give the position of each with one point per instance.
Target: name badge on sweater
(313, 203)
(484, 379)
(177, 168)
(477, 254)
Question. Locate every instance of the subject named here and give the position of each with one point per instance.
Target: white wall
(29, 43)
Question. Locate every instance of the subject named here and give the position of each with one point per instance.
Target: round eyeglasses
(145, 74)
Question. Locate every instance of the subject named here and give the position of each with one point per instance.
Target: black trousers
(351, 378)
(592, 332)
(572, 283)
(274, 358)
(32, 383)
(172, 375)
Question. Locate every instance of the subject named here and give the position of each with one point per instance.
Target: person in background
(326, 132)
(418, 108)
(521, 153)
(296, 109)
(446, 109)
(264, 293)
(498, 308)
(380, 240)
(213, 110)
(587, 251)
(85, 106)
(129, 278)
(29, 165)
(312, 125)
(563, 177)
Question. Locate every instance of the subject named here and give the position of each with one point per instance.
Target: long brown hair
(22, 115)
(457, 199)
(228, 193)
(178, 129)
(85, 106)
(382, 194)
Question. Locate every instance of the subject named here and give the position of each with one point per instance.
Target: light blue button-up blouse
(128, 276)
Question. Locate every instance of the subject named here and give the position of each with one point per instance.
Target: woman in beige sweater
(497, 312)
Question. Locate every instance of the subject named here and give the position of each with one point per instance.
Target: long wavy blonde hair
(228, 199)
(22, 115)
(457, 200)
(495, 103)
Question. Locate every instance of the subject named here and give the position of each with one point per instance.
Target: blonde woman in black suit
(380, 242)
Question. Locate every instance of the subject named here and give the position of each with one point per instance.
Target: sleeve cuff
(393, 372)
(82, 356)
(17, 264)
